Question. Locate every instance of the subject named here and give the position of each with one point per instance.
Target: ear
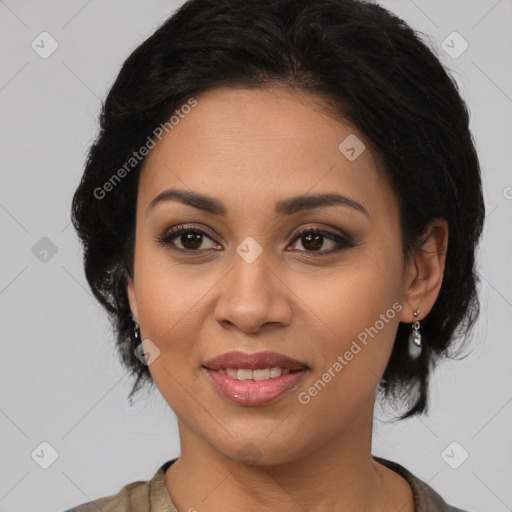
(425, 271)
(130, 289)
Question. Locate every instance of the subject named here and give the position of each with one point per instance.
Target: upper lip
(254, 361)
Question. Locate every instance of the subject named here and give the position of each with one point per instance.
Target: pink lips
(252, 392)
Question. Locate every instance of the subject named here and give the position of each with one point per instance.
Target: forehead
(252, 147)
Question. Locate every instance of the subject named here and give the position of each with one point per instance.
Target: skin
(250, 149)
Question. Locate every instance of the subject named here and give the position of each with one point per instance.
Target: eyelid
(322, 230)
(178, 229)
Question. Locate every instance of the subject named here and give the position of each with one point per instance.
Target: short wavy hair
(371, 69)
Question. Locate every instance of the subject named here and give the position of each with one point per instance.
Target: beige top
(152, 495)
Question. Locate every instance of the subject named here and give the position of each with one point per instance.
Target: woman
(280, 215)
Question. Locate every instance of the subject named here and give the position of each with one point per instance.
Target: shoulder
(425, 498)
(133, 496)
(142, 496)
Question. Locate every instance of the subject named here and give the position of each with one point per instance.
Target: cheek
(358, 306)
(167, 293)
(169, 306)
(353, 296)
(341, 388)
(168, 302)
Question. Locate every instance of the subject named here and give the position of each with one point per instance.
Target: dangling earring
(415, 345)
(136, 331)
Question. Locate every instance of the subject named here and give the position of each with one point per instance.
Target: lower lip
(254, 392)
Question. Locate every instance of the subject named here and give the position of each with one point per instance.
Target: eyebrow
(282, 208)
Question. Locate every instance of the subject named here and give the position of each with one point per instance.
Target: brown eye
(312, 240)
(189, 239)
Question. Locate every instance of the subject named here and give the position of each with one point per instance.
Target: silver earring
(415, 344)
(136, 331)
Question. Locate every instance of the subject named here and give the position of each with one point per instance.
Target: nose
(252, 297)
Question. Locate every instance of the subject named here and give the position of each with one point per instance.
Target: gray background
(61, 382)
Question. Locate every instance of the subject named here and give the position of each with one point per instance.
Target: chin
(263, 449)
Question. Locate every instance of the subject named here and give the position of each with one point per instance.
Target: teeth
(261, 374)
(275, 372)
(244, 375)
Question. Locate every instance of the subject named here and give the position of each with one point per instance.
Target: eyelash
(342, 242)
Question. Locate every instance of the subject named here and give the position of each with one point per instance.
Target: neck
(339, 474)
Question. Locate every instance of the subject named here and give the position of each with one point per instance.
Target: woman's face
(244, 277)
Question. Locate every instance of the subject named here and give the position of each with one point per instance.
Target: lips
(255, 361)
(254, 379)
